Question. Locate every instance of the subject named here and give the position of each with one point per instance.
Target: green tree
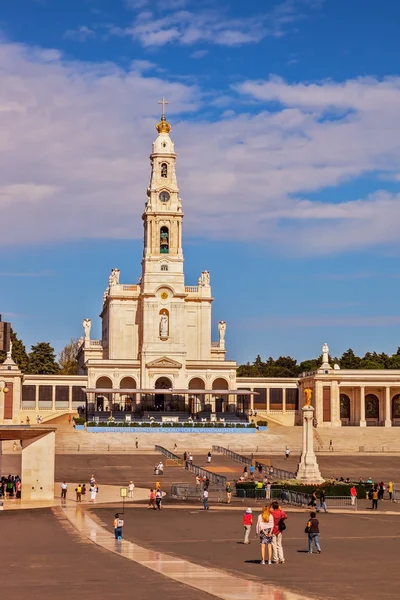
(349, 360)
(19, 354)
(309, 365)
(372, 360)
(287, 364)
(68, 358)
(42, 360)
(394, 361)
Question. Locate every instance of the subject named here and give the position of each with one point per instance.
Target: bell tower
(162, 253)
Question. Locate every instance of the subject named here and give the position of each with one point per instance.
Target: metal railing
(233, 455)
(212, 477)
(169, 454)
(270, 469)
(185, 491)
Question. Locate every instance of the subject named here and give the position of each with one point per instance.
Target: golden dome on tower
(163, 126)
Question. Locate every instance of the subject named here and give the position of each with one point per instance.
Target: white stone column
(36, 398)
(70, 398)
(335, 405)
(268, 399)
(363, 422)
(388, 415)
(319, 401)
(37, 467)
(308, 470)
(53, 398)
(251, 400)
(283, 400)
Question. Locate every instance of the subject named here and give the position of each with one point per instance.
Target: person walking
(312, 529)
(152, 499)
(64, 488)
(330, 445)
(252, 469)
(313, 501)
(287, 453)
(93, 492)
(322, 501)
(118, 525)
(279, 516)
(390, 490)
(136, 443)
(205, 499)
(268, 490)
(375, 498)
(159, 499)
(265, 525)
(198, 482)
(353, 494)
(69, 419)
(381, 490)
(228, 490)
(209, 457)
(131, 488)
(247, 523)
(78, 491)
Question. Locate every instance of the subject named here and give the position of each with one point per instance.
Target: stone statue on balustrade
(325, 354)
(87, 324)
(204, 278)
(114, 277)
(221, 331)
(9, 351)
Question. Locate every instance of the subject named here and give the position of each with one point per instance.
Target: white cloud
(75, 139)
(167, 24)
(199, 53)
(82, 33)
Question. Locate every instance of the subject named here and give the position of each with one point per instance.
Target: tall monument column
(308, 470)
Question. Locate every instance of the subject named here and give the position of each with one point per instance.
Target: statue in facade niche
(164, 326)
(114, 277)
(221, 331)
(204, 278)
(87, 324)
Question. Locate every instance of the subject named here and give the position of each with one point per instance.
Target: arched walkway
(371, 407)
(163, 401)
(128, 401)
(221, 401)
(345, 408)
(103, 399)
(197, 403)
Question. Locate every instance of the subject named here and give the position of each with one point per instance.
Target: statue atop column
(221, 331)
(325, 354)
(204, 278)
(87, 324)
(9, 351)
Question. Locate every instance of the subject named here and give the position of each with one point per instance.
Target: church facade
(156, 334)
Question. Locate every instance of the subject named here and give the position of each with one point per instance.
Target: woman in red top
(277, 548)
(247, 523)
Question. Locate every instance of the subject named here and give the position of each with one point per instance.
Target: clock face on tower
(164, 196)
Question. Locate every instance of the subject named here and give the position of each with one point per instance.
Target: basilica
(156, 355)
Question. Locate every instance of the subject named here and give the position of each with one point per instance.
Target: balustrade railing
(273, 471)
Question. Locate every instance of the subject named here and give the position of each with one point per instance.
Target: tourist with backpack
(279, 526)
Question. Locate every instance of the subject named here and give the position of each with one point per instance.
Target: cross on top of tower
(163, 126)
(163, 101)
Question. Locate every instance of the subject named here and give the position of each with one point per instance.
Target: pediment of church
(164, 362)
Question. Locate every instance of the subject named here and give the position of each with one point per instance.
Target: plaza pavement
(359, 552)
(44, 558)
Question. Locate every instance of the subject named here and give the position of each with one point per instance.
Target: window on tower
(164, 170)
(164, 240)
(164, 267)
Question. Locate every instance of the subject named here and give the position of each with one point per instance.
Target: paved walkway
(212, 581)
(108, 494)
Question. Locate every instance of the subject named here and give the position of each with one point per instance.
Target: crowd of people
(10, 487)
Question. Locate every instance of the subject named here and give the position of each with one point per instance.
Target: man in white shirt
(64, 488)
(205, 499)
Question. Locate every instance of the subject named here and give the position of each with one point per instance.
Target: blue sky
(286, 120)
